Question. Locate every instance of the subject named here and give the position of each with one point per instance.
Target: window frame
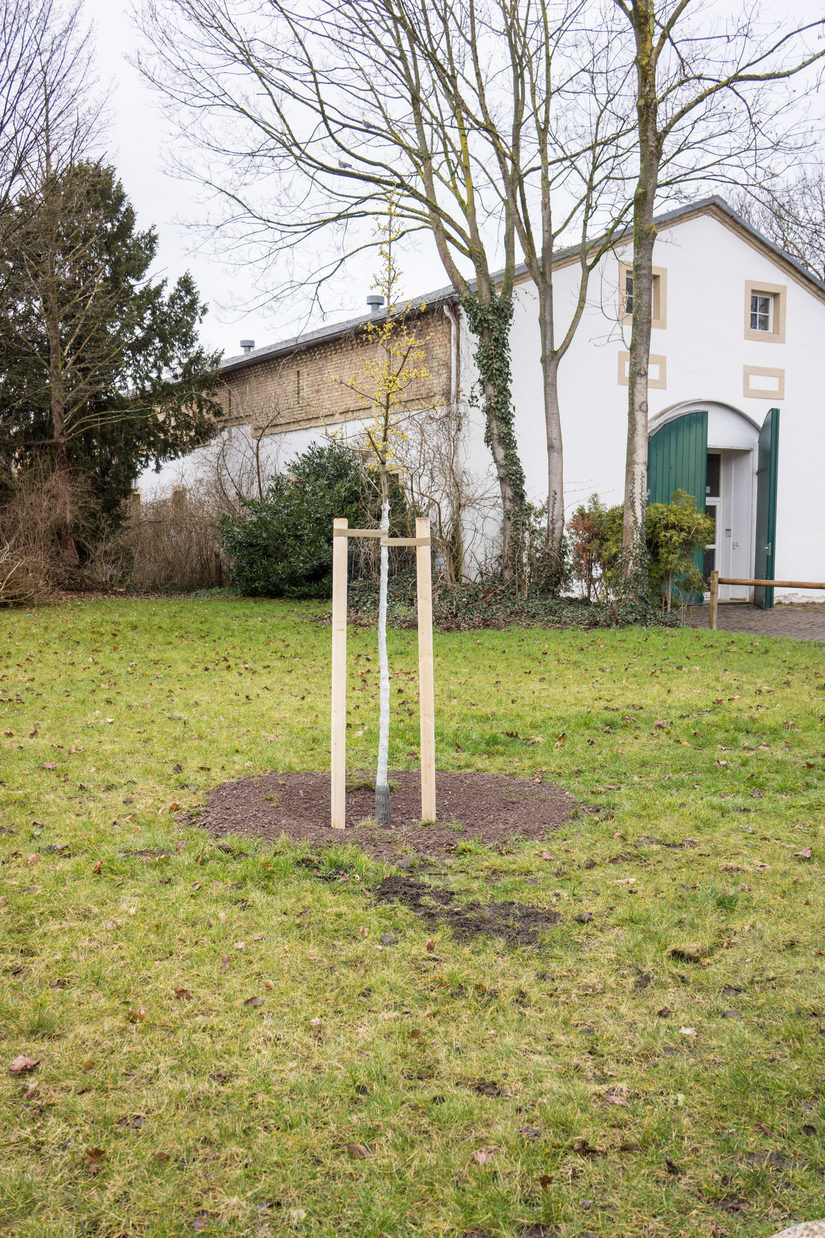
(778, 294)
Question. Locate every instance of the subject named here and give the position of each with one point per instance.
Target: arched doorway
(728, 462)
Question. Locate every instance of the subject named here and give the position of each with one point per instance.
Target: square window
(765, 312)
(761, 312)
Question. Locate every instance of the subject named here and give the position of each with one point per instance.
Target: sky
(139, 135)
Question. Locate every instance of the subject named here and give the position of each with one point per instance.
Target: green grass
(219, 1117)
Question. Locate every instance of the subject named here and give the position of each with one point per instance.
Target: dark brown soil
(518, 923)
(486, 808)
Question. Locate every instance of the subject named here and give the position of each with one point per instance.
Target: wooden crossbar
(716, 580)
(341, 532)
(406, 541)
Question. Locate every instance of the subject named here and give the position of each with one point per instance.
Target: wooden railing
(716, 580)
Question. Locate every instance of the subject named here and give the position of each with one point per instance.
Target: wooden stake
(714, 600)
(338, 745)
(426, 697)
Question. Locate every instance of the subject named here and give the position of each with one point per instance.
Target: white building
(737, 413)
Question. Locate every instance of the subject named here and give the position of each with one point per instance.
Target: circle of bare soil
(485, 808)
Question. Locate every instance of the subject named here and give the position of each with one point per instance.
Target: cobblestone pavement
(799, 621)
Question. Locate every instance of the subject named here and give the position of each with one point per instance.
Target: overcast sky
(137, 139)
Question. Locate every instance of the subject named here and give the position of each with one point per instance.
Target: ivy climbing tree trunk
(490, 324)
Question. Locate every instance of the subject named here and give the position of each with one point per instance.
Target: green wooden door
(766, 485)
(677, 459)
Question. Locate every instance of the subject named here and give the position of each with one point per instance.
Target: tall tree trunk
(644, 236)
(550, 359)
(382, 788)
(62, 472)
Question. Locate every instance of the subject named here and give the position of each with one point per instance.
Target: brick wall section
(309, 386)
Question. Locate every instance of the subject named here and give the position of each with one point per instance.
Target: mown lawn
(654, 1068)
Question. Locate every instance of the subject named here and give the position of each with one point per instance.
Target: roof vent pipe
(376, 304)
(247, 346)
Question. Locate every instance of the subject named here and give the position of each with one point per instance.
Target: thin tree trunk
(62, 472)
(550, 359)
(644, 236)
(382, 789)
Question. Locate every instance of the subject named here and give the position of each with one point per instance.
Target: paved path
(799, 621)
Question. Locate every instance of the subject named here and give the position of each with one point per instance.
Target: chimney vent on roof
(376, 304)
(247, 346)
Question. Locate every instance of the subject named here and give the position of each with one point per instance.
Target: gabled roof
(714, 206)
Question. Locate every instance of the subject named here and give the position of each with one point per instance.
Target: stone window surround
(779, 293)
(659, 316)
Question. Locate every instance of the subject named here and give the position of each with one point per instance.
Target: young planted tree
(100, 368)
(390, 383)
(709, 105)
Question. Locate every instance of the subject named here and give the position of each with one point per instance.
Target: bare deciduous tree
(492, 122)
(709, 106)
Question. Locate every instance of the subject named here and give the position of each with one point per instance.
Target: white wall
(707, 267)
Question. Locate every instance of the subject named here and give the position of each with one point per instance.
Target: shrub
(674, 532)
(281, 545)
(30, 523)
(596, 548)
(171, 543)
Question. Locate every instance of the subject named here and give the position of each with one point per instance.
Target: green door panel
(767, 475)
(677, 459)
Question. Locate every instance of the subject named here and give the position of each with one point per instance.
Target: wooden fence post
(338, 745)
(426, 696)
(714, 600)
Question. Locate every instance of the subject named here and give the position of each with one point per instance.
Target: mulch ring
(491, 809)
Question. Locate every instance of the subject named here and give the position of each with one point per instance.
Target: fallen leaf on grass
(254, 1002)
(805, 854)
(268, 984)
(585, 1149)
(482, 1156)
(94, 1160)
(625, 881)
(530, 1132)
(415, 1033)
(430, 944)
(182, 994)
(487, 1087)
(97, 867)
(688, 1031)
(138, 1015)
(135, 1122)
(33, 857)
(240, 945)
(616, 1096)
(358, 1151)
(22, 1064)
(50, 764)
(33, 1087)
(546, 855)
(224, 962)
(545, 1181)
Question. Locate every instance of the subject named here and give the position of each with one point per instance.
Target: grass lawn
(655, 1067)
